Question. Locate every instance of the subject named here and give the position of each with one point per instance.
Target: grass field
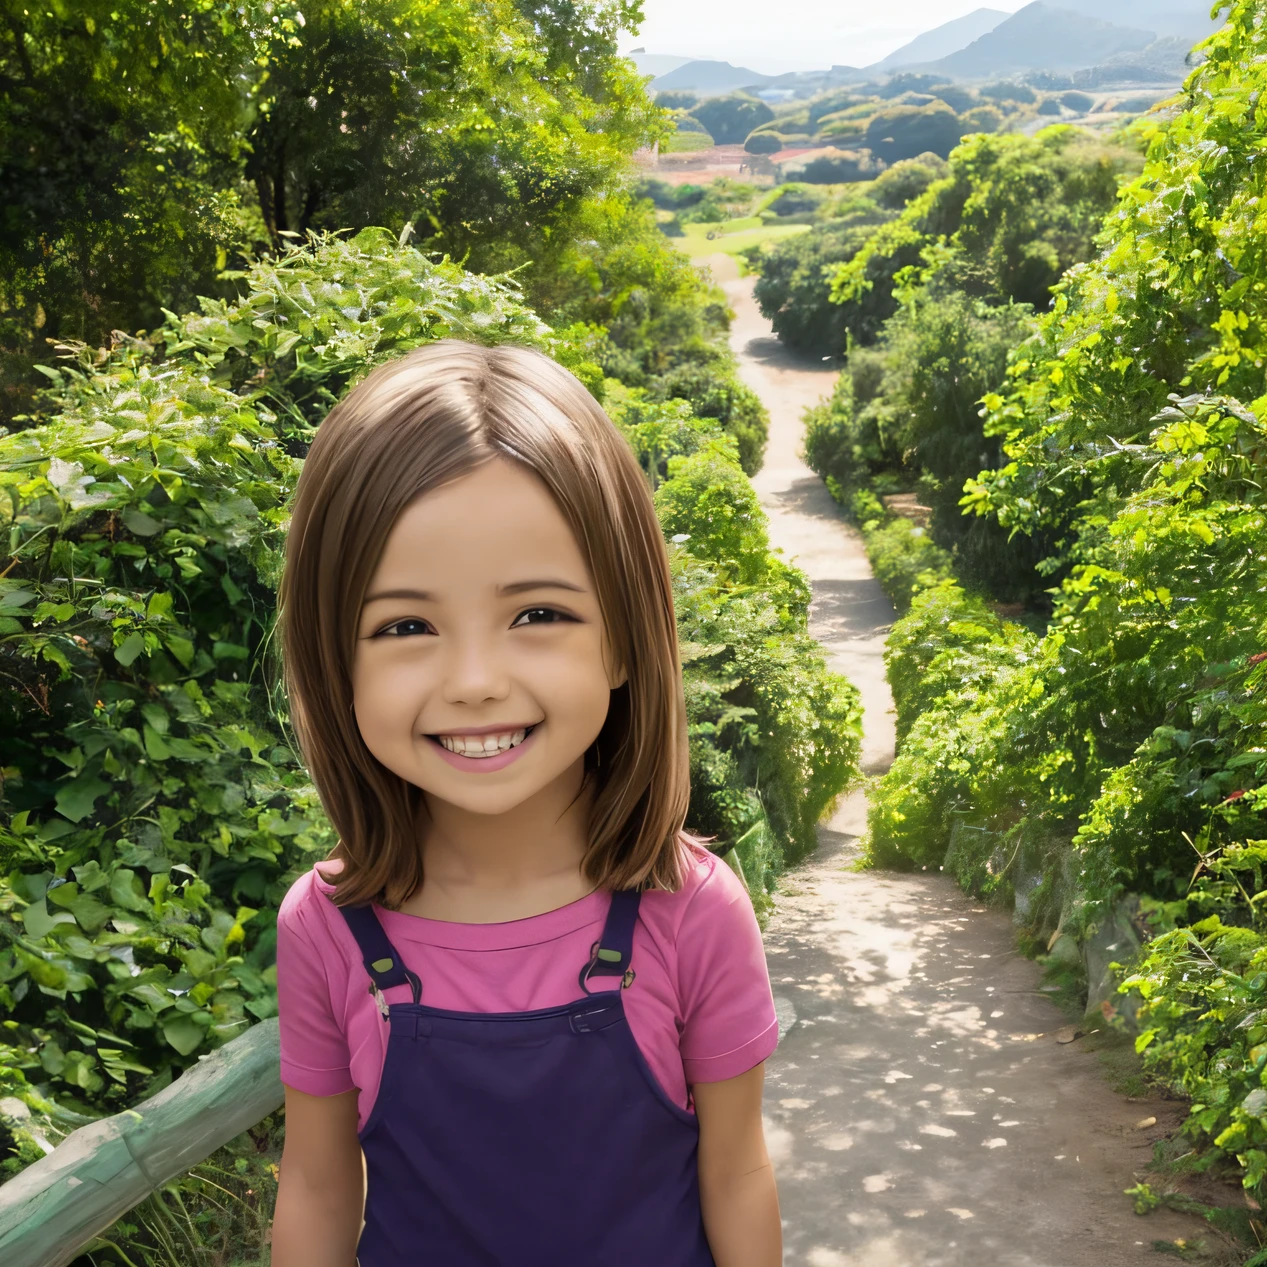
(739, 236)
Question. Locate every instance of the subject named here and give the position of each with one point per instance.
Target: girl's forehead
(493, 528)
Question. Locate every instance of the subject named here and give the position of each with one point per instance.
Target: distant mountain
(655, 63)
(1188, 19)
(1041, 37)
(943, 40)
(710, 77)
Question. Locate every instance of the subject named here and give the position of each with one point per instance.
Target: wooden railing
(59, 1204)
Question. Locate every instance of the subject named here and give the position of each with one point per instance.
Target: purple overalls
(525, 1139)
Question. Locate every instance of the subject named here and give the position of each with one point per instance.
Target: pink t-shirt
(700, 1006)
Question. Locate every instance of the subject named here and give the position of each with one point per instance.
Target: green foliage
(834, 166)
(1011, 92)
(1078, 101)
(153, 811)
(1014, 213)
(907, 131)
(905, 181)
(793, 293)
(729, 119)
(661, 325)
(122, 138)
(907, 412)
(945, 661)
(763, 143)
(676, 100)
(1124, 751)
(149, 143)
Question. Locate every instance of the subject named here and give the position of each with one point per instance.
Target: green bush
(1011, 92)
(1121, 758)
(1078, 101)
(731, 118)
(908, 131)
(792, 290)
(908, 179)
(834, 166)
(763, 143)
(153, 810)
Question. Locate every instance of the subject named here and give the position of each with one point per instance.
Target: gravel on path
(919, 1108)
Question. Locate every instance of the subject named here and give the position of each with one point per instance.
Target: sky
(794, 34)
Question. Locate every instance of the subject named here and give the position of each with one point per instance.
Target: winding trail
(920, 1111)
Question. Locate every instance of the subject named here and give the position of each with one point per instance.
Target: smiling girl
(524, 1015)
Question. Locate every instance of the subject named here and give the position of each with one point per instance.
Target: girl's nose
(474, 673)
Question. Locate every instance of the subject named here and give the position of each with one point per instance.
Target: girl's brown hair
(409, 427)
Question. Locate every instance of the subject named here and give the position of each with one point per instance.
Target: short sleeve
(314, 1048)
(728, 1018)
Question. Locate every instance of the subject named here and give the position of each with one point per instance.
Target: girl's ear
(619, 679)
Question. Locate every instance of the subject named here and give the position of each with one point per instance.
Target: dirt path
(920, 1110)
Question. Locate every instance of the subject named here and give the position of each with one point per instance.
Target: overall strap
(382, 960)
(610, 956)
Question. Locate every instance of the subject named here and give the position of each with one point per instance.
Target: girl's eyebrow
(516, 587)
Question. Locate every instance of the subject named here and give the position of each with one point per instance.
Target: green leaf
(39, 922)
(130, 648)
(138, 522)
(76, 799)
(184, 1034)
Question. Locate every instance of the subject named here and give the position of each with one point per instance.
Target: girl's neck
(487, 869)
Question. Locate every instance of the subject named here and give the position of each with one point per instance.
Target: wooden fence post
(57, 1205)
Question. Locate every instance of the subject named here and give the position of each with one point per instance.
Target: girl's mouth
(484, 753)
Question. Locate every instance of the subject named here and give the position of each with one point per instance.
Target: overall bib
(525, 1139)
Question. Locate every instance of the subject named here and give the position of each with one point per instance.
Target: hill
(943, 40)
(1041, 37)
(1186, 19)
(710, 77)
(655, 63)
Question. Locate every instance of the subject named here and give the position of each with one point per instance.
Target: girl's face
(482, 672)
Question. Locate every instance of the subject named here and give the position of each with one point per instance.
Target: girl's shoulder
(710, 894)
(306, 910)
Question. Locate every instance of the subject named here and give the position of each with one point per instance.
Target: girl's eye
(404, 629)
(539, 616)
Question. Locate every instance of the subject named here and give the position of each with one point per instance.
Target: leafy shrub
(763, 143)
(1049, 106)
(1078, 101)
(709, 503)
(1124, 755)
(982, 119)
(793, 293)
(1015, 212)
(955, 96)
(835, 166)
(907, 131)
(153, 811)
(729, 119)
(908, 179)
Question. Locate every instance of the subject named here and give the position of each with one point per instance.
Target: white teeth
(480, 746)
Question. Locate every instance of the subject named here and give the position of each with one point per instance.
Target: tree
(763, 143)
(728, 120)
(464, 119)
(793, 292)
(1013, 214)
(121, 137)
(905, 131)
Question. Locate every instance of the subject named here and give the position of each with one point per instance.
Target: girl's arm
(321, 1188)
(737, 1191)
